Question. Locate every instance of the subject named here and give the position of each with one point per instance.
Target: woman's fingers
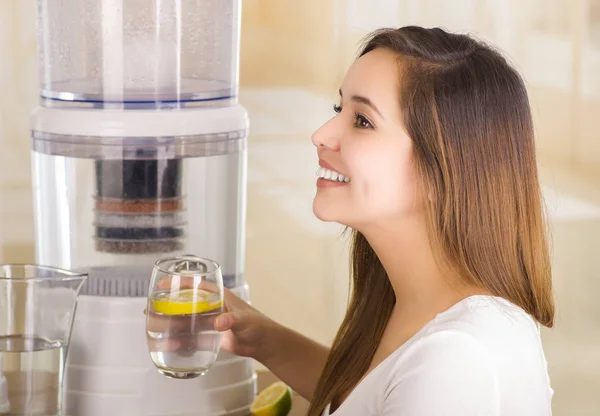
(232, 301)
(224, 322)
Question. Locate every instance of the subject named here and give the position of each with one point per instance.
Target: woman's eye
(362, 122)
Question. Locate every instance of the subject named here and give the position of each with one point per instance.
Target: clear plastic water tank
(138, 53)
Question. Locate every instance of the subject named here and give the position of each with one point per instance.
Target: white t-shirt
(481, 357)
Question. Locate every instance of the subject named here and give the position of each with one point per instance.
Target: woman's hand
(245, 329)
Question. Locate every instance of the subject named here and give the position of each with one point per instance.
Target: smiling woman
(435, 130)
(429, 159)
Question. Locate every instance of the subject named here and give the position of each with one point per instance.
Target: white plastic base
(109, 371)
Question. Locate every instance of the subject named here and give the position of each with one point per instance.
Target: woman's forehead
(376, 76)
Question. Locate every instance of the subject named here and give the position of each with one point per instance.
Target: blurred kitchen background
(293, 56)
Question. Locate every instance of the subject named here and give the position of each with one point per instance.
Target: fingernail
(222, 322)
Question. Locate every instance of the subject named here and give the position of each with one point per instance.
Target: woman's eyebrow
(364, 100)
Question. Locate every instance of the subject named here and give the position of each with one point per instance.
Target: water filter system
(139, 152)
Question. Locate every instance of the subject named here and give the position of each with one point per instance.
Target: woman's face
(367, 144)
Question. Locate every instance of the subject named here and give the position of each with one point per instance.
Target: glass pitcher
(37, 307)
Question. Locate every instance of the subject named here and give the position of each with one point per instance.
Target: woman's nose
(327, 136)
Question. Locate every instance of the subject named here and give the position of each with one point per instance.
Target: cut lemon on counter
(275, 400)
(186, 302)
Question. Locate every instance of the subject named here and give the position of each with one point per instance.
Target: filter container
(138, 53)
(115, 190)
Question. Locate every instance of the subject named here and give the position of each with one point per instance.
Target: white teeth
(331, 175)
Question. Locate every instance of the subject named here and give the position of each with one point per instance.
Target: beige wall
(289, 43)
(18, 82)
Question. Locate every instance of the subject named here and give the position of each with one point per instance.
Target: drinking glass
(185, 297)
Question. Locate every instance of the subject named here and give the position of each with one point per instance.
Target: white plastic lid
(140, 123)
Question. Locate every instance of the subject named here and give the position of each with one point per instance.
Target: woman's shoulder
(481, 356)
(482, 316)
(482, 347)
(483, 325)
(492, 321)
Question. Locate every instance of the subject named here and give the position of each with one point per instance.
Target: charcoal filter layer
(139, 206)
(139, 179)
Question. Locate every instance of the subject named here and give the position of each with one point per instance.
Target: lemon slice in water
(275, 400)
(187, 302)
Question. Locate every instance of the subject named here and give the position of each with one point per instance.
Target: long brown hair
(468, 115)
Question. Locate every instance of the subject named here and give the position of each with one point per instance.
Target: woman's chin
(328, 212)
(324, 212)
